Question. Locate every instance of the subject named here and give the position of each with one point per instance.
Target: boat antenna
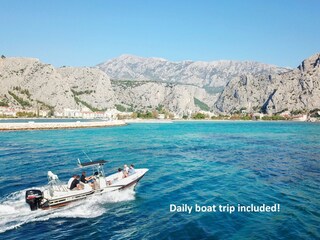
(87, 156)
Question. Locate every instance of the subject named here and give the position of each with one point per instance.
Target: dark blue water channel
(204, 163)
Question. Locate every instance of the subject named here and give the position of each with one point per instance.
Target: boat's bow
(130, 181)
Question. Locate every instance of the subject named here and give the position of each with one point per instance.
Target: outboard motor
(34, 198)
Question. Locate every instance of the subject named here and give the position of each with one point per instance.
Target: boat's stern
(34, 198)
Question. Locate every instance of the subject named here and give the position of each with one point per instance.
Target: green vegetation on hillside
(77, 93)
(4, 103)
(315, 112)
(26, 114)
(160, 109)
(120, 108)
(201, 104)
(123, 108)
(199, 116)
(128, 83)
(22, 91)
(146, 115)
(273, 118)
(47, 107)
(220, 117)
(21, 101)
(297, 112)
(93, 109)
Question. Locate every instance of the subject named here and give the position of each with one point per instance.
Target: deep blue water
(201, 163)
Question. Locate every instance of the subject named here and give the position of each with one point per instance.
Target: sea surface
(203, 163)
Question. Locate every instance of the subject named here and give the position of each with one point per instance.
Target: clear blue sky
(88, 32)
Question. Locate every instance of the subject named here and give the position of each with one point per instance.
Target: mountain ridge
(181, 88)
(199, 73)
(295, 90)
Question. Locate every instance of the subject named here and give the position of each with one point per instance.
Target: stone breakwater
(57, 125)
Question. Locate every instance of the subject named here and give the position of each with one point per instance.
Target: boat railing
(55, 184)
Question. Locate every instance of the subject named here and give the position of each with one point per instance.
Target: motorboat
(57, 194)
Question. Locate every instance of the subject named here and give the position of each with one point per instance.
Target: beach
(31, 125)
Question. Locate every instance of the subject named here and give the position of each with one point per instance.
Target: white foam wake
(15, 212)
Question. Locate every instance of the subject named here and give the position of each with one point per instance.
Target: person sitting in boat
(125, 171)
(119, 175)
(71, 180)
(131, 170)
(84, 178)
(75, 185)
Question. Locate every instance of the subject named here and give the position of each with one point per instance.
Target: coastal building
(71, 113)
(210, 114)
(301, 117)
(7, 111)
(110, 114)
(161, 116)
(258, 116)
(285, 114)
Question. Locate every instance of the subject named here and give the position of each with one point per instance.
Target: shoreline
(58, 125)
(138, 120)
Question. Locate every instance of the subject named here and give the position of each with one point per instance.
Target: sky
(88, 32)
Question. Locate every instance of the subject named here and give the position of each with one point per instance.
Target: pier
(31, 125)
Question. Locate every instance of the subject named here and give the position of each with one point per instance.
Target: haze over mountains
(141, 84)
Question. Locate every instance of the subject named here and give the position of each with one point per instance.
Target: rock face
(148, 84)
(297, 89)
(211, 75)
(42, 82)
(177, 98)
(89, 85)
(28, 83)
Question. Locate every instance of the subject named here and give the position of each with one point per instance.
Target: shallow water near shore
(202, 163)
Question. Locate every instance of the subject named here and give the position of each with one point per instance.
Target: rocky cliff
(296, 90)
(176, 98)
(212, 76)
(28, 83)
(89, 86)
(148, 84)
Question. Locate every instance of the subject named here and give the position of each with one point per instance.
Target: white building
(71, 113)
(7, 111)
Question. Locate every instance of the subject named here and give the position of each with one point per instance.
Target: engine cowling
(34, 198)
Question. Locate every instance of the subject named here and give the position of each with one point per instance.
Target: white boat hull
(58, 196)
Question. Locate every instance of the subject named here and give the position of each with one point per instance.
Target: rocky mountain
(89, 86)
(176, 98)
(28, 83)
(296, 90)
(139, 84)
(212, 76)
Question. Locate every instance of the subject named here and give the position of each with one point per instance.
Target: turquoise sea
(204, 163)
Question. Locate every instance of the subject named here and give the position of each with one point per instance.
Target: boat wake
(15, 212)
